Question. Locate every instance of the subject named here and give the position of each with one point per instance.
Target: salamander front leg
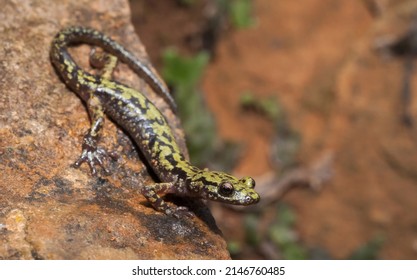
(91, 153)
(152, 194)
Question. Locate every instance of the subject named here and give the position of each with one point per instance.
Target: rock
(48, 209)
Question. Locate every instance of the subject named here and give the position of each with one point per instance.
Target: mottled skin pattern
(144, 122)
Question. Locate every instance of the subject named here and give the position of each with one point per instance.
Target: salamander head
(222, 187)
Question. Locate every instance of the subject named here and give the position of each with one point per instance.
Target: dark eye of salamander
(252, 183)
(226, 189)
(248, 181)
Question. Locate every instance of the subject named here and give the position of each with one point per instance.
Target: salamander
(139, 117)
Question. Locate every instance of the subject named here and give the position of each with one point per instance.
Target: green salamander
(144, 122)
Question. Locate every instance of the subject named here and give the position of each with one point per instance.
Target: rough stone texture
(49, 210)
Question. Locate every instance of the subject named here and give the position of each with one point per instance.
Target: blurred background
(315, 100)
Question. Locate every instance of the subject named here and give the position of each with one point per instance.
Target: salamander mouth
(251, 200)
(244, 200)
(247, 200)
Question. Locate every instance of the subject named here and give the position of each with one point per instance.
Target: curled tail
(73, 35)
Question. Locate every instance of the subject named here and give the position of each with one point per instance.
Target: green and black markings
(144, 122)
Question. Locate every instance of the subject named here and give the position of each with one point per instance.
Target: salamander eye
(226, 189)
(248, 181)
(252, 183)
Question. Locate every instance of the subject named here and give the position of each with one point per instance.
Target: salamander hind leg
(92, 154)
(152, 194)
(105, 62)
